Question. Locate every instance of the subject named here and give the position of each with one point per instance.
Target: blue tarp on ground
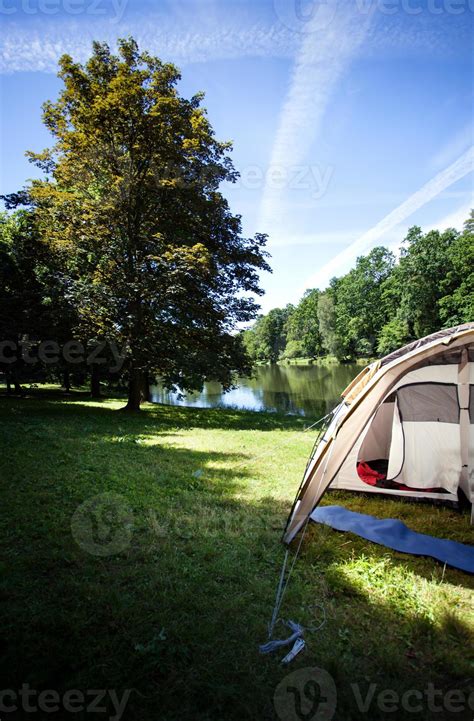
(394, 534)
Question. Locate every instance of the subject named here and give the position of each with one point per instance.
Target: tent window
(444, 358)
(471, 403)
(429, 402)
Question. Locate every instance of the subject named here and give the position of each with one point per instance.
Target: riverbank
(328, 360)
(175, 599)
(324, 361)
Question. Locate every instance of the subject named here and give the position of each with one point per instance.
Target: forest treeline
(379, 305)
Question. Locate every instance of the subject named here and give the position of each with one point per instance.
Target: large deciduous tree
(360, 313)
(303, 331)
(421, 275)
(457, 305)
(34, 304)
(327, 322)
(131, 200)
(267, 339)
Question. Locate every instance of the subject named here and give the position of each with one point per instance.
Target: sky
(352, 120)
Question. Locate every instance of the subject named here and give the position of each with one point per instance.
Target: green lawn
(178, 611)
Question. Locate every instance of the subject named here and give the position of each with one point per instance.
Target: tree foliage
(130, 204)
(457, 304)
(303, 327)
(327, 319)
(381, 304)
(34, 300)
(268, 339)
(358, 300)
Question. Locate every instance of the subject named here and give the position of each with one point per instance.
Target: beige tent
(412, 414)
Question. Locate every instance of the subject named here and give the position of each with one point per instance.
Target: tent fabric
(430, 457)
(334, 462)
(377, 441)
(433, 373)
(442, 335)
(385, 436)
(429, 402)
(395, 534)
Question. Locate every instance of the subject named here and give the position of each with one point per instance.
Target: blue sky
(351, 119)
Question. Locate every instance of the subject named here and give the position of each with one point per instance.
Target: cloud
(455, 219)
(323, 57)
(343, 261)
(39, 46)
(196, 32)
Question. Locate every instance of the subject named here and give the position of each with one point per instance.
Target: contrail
(341, 262)
(331, 41)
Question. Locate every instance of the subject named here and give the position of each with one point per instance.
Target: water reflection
(304, 390)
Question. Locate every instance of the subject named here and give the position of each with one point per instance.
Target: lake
(308, 390)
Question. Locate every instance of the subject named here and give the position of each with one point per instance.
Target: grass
(199, 498)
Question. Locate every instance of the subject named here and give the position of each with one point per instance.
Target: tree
(35, 306)
(131, 200)
(11, 307)
(457, 306)
(266, 340)
(327, 322)
(251, 341)
(302, 328)
(360, 312)
(21, 293)
(393, 335)
(271, 333)
(425, 261)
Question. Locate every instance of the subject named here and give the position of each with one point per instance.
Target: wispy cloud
(34, 42)
(39, 47)
(324, 55)
(343, 261)
(455, 219)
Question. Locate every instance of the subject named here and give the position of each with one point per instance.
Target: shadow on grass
(435, 519)
(153, 414)
(177, 614)
(393, 645)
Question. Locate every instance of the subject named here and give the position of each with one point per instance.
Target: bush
(392, 336)
(294, 349)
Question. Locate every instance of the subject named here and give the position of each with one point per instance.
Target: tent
(404, 427)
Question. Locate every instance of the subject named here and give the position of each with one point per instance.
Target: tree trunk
(146, 386)
(66, 380)
(95, 381)
(134, 390)
(16, 383)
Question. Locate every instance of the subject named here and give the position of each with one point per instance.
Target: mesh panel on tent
(411, 410)
(429, 402)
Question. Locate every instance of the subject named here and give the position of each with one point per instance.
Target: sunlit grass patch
(179, 612)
